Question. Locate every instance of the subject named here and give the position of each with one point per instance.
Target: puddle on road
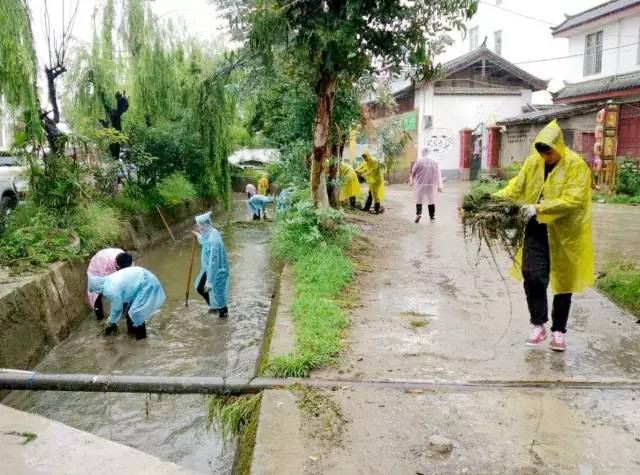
(181, 342)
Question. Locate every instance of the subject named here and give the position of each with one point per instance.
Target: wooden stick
(193, 253)
(165, 223)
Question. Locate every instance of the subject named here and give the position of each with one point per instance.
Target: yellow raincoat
(566, 211)
(372, 171)
(263, 185)
(350, 186)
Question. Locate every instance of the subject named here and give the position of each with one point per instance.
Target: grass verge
(616, 199)
(621, 283)
(314, 241)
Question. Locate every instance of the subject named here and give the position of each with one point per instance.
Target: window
(474, 36)
(497, 42)
(593, 53)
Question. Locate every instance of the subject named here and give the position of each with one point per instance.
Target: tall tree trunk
(325, 93)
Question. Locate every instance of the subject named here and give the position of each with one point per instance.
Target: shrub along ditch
(314, 242)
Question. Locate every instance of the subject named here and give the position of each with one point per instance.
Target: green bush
(35, 237)
(628, 182)
(174, 189)
(305, 227)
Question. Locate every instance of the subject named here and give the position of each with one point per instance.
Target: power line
(518, 13)
(575, 55)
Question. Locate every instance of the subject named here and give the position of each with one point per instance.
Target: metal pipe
(34, 381)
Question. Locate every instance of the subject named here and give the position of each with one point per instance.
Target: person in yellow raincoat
(263, 185)
(349, 184)
(372, 171)
(554, 188)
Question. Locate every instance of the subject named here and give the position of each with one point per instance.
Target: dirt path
(433, 308)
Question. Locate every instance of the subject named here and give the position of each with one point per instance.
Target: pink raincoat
(102, 265)
(426, 178)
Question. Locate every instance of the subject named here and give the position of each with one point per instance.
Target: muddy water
(181, 342)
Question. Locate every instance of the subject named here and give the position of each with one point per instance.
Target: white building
(603, 53)
(480, 88)
(519, 31)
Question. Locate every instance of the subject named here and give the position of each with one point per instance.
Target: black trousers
(352, 202)
(99, 308)
(431, 208)
(222, 311)
(140, 331)
(367, 204)
(536, 266)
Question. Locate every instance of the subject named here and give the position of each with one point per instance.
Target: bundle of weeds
(232, 413)
(493, 221)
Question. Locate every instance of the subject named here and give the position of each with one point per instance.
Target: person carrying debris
(349, 184)
(213, 280)
(426, 178)
(263, 185)
(134, 291)
(102, 264)
(372, 171)
(553, 186)
(257, 205)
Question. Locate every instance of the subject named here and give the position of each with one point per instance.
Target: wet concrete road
(181, 342)
(433, 307)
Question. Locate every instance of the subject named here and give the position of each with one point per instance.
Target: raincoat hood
(204, 222)
(550, 135)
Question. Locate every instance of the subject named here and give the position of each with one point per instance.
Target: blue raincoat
(213, 262)
(257, 204)
(134, 286)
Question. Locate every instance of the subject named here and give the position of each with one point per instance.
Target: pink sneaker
(557, 342)
(537, 336)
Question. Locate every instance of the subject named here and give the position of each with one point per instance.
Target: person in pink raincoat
(102, 264)
(426, 179)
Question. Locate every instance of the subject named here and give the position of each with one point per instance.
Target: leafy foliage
(174, 189)
(18, 67)
(628, 182)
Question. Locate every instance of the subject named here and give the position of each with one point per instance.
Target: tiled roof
(594, 13)
(547, 114)
(485, 53)
(618, 82)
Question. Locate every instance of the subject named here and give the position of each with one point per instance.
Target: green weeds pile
(314, 241)
(494, 222)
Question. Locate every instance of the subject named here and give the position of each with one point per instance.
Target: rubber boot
(368, 203)
(376, 208)
(352, 202)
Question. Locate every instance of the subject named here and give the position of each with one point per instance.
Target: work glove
(208, 287)
(529, 211)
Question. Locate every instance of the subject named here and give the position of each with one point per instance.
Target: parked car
(13, 186)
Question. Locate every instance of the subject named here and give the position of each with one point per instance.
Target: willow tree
(330, 40)
(19, 65)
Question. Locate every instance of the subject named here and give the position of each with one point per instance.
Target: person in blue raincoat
(213, 280)
(257, 205)
(134, 291)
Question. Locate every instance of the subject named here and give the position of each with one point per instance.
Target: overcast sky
(201, 20)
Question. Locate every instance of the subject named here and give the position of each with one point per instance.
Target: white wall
(451, 113)
(525, 41)
(620, 49)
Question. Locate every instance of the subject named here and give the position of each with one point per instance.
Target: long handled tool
(165, 223)
(193, 253)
